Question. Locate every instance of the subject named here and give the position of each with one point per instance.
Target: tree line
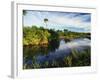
(35, 35)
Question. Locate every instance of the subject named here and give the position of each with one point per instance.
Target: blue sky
(73, 21)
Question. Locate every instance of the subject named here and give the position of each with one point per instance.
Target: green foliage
(36, 35)
(68, 35)
(68, 60)
(81, 58)
(36, 65)
(76, 58)
(75, 53)
(45, 20)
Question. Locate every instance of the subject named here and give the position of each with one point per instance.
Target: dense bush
(36, 35)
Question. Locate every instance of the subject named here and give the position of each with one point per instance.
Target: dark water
(53, 51)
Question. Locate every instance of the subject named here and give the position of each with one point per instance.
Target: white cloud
(58, 20)
(75, 22)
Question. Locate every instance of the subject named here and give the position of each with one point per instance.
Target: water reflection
(56, 50)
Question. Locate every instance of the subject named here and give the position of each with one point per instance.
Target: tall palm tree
(45, 21)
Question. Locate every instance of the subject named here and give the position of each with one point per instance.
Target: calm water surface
(54, 51)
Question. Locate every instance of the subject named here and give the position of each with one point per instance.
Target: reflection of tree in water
(31, 52)
(53, 40)
(53, 45)
(38, 57)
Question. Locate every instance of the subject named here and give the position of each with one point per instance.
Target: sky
(73, 21)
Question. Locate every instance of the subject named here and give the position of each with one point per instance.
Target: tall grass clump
(78, 58)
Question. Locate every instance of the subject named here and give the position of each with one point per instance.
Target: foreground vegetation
(39, 41)
(76, 58)
(42, 40)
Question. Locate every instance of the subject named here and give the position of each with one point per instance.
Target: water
(52, 52)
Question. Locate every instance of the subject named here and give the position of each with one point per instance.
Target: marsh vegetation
(49, 48)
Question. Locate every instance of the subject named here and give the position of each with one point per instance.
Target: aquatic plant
(75, 53)
(81, 58)
(36, 65)
(76, 58)
(68, 60)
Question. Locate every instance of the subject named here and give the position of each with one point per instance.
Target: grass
(75, 59)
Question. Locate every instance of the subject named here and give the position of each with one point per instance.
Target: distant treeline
(39, 35)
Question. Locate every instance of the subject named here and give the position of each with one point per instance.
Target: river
(51, 53)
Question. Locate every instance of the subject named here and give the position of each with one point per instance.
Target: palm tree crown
(45, 21)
